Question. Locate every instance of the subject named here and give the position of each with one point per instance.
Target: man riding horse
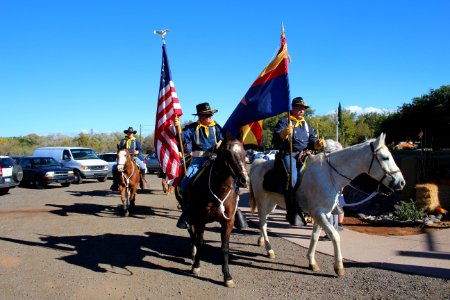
(134, 148)
(304, 140)
(200, 138)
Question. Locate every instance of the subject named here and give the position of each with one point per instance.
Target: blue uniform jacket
(195, 139)
(303, 136)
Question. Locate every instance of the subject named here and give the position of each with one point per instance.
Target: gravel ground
(72, 243)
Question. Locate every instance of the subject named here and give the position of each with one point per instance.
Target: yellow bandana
(200, 125)
(298, 122)
(129, 140)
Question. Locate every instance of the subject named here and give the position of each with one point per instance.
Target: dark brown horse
(129, 178)
(213, 198)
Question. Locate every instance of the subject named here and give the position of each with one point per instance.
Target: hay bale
(427, 196)
(444, 196)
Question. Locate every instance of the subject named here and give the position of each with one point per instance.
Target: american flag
(165, 139)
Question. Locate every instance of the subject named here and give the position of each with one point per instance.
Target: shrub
(409, 211)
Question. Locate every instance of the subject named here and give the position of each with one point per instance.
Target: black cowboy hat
(205, 109)
(130, 130)
(298, 101)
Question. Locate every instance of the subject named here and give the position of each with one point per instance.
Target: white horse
(324, 176)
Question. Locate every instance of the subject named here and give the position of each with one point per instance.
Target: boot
(240, 222)
(291, 212)
(143, 183)
(115, 185)
(182, 222)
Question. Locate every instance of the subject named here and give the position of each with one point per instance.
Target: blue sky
(80, 66)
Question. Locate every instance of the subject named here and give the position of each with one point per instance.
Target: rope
(221, 207)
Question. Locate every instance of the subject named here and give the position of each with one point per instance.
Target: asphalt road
(73, 243)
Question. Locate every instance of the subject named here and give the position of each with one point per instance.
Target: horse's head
(234, 157)
(387, 172)
(122, 154)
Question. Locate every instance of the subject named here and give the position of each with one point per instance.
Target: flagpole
(162, 33)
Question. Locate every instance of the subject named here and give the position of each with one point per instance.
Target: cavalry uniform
(297, 129)
(200, 140)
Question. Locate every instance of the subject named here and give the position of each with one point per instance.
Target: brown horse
(213, 198)
(129, 178)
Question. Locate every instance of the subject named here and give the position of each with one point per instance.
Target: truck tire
(102, 179)
(78, 177)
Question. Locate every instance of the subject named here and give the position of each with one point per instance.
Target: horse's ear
(380, 139)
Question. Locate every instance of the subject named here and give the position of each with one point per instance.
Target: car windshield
(108, 157)
(45, 161)
(80, 154)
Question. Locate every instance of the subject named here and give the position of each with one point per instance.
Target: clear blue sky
(80, 66)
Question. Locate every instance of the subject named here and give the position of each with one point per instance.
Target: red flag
(165, 141)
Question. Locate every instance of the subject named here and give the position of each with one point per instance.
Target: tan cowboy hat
(205, 109)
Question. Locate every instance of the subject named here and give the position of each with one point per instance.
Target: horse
(129, 178)
(323, 177)
(213, 198)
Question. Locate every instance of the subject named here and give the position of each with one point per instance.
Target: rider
(201, 138)
(134, 148)
(303, 141)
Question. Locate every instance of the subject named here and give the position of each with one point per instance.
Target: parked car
(111, 159)
(258, 155)
(10, 174)
(152, 163)
(270, 154)
(42, 171)
(83, 161)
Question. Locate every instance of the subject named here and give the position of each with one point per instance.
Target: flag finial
(282, 29)
(162, 33)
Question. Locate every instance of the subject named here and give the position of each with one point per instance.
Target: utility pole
(140, 134)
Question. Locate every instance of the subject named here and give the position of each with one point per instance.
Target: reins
(221, 206)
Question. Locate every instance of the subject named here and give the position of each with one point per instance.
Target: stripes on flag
(165, 140)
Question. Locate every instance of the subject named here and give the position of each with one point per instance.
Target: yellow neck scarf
(298, 122)
(200, 125)
(128, 144)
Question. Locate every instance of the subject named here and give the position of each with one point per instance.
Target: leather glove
(286, 133)
(176, 121)
(136, 152)
(319, 144)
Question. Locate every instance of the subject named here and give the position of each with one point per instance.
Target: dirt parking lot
(72, 243)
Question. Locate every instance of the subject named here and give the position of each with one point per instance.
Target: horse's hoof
(271, 254)
(126, 213)
(230, 283)
(261, 242)
(195, 271)
(339, 272)
(314, 268)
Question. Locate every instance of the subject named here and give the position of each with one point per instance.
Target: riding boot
(240, 222)
(143, 183)
(115, 185)
(291, 210)
(182, 222)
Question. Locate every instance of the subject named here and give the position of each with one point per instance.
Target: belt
(200, 153)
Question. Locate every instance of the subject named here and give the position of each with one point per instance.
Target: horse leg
(197, 242)
(225, 238)
(263, 212)
(312, 247)
(124, 201)
(323, 222)
(133, 197)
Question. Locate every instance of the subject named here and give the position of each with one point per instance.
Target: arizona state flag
(252, 133)
(267, 97)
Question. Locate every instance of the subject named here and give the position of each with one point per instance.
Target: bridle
(374, 156)
(126, 178)
(233, 173)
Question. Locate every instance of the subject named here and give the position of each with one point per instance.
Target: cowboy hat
(298, 101)
(130, 130)
(205, 109)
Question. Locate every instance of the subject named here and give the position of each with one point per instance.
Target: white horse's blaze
(122, 158)
(322, 181)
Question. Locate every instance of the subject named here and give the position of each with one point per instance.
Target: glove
(176, 121)
(218, 144)
(136, 152)
(287, 132)
(319, 144)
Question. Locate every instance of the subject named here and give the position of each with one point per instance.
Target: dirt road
(72, 243)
